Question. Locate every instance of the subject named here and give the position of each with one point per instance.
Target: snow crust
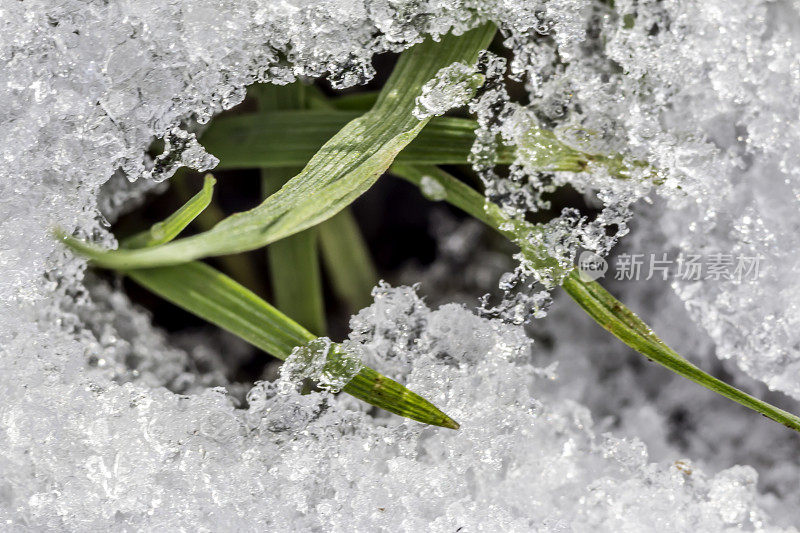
(106, 423)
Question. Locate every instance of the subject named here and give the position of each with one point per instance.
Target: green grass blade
(347, 260)
(291, 138)
(213, 296)
(210, 216)
(627, 327)
(456, 192)
(344, 168)
(238, 266)
(592, 297)
(346, 256)
(470, 201)
(296, 279)
(217, 298)
(293, 261)
(388, 394)
(355, 101)
(167, 230)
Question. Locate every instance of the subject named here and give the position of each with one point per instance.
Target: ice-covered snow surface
(106, 423)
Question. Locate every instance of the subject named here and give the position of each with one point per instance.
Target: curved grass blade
(470, 201)
(239, 267)
(592, 297)
(296, 279)
(213, 296)
(344, 168)
(169, 228)
(208, 293)
(345, 253)
(627, 327)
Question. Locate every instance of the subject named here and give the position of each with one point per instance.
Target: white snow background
(709, 92)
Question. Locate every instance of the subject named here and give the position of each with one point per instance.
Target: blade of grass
(238, 266)
(626, 326)
(291, 138)
(293, 261)
(347, 260)
(210, 216)
(591, 296)
(217, 298)
(170, 227)
(346, 255)
(294, 267)
(213, 296)
(344, 168)
(470, 201)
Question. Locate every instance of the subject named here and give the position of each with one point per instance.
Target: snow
(314, 362)
(106, 423)
(452, 87)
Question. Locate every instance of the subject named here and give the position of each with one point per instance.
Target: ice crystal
(453, 86)
(320, 362)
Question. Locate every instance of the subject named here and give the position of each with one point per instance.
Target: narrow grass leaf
(347, 260)
(467, 199)
(630, 329)
(346, 256)
(344, 168)
(170, 227)
(293, 261)
(213, 296)
(239, 266)
(296, 280)
(606, 310)
(291, 138)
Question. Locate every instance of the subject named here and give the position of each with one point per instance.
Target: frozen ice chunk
(453, 86)
(323, 363)
(181, 149)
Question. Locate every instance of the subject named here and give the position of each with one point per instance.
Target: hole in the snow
(401, 228)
